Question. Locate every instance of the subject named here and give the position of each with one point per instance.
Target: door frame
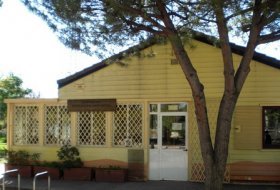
(160, 115)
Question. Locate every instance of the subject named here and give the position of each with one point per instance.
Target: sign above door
(75, 105)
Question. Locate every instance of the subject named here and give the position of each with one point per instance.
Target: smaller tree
(11, 87)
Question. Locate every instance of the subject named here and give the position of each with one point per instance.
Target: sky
(31, 51)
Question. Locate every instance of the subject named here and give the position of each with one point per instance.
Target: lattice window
(128, 125)
(26, 125)
(57, 125)
(91, 128)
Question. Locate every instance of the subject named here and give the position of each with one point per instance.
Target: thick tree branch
(196, 86)
(274, 36)
(225, 47)
(244, 67)
(229, 96)
(264, 20)
(172, 13)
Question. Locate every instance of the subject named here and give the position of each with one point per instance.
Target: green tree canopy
(11, 87)
(99, 26)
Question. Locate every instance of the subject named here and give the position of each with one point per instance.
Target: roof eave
(262, 58)
(95, 67)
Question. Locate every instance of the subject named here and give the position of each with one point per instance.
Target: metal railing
(7, 172)
(40, 174)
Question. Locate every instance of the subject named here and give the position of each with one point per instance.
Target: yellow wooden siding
(246, 145)
(268, 83)
(254, 155)
(262, 86)
(247, 127)
(155, 77)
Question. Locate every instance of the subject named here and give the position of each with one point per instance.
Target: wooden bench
(255, 171)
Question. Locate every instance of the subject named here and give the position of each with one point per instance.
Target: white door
(168, 148)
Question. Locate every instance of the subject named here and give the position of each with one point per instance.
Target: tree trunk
(216, 170)
(214, 157)
(214, 180)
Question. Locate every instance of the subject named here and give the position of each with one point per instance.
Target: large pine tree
(96, 26)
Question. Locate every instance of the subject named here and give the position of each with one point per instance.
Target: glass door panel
(153, 131)
(173, 131)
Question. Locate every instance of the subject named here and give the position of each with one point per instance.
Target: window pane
(153, 108)
(120, 125)
(26, 129)
(180, 107)
(173, 130)
(153, 131)
(57, 124)
(91, 128)
(127, 125)
(271, 127)
(135, 124)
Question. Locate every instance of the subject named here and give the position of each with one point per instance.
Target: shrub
(21, 157)
(70, 156)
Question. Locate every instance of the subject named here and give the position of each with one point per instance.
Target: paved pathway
(27, 183)
(149, 185)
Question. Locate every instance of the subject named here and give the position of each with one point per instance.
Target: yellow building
(135, 110)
